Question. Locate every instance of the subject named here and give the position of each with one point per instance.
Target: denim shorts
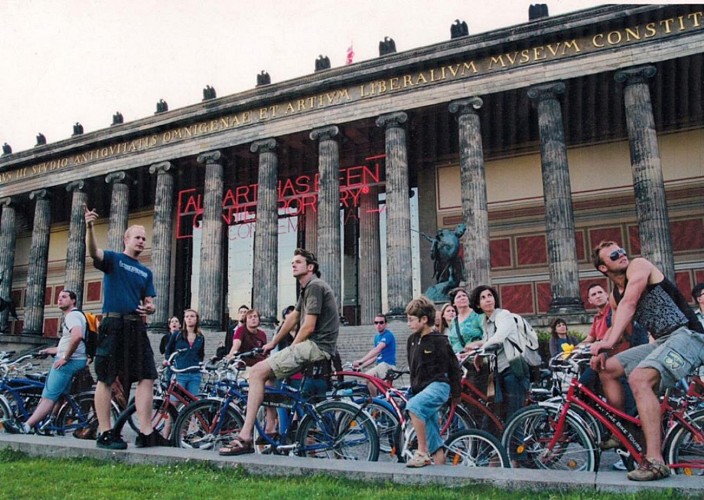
(58, 381)
(425, 405)
(290, 360)
(673, 356)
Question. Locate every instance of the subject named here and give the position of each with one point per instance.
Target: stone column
(329, 207)
(646, 166)
(477, 259)
(162, 237)
(369, 282)
(119, 209)
(211, 262)
(557, 192)
(38, 263)
(266, 235)
(310, 218)
(8, 238)
(76, 249)
(398, 214)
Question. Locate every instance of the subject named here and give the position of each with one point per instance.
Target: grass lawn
(22, 477)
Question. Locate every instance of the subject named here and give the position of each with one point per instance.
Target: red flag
(350, 54)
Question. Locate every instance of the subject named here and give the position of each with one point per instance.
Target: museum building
(541, 139)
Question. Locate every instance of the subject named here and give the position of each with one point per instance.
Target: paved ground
(604, 480)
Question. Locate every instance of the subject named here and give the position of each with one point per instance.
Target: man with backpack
(70, 359)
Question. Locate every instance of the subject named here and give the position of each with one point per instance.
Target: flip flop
(238, 446)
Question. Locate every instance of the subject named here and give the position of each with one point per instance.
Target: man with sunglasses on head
(643, 293)
(384, 352)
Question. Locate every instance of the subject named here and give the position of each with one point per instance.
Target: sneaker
(649, 470)
(12, 427)
(108, 441)
(151, 440)
(419, 459)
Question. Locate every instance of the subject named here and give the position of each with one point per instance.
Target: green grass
(38, 478)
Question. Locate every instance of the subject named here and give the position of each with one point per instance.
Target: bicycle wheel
(163, 417)
(684, 446)
(207, 424)
(531, 429)
(80, 415)
(462, 420)
(475, 448)
(339, 430)
(387, 425)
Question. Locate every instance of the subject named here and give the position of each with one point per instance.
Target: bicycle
(20, 393)
(171, 398)
(329, 429)
(555, 437)
(464, 445)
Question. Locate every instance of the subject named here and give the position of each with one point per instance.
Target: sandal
(419, 459)
(238, 446)
(649, 470)
(264, 439)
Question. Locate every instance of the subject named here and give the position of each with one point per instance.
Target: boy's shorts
(290, 360)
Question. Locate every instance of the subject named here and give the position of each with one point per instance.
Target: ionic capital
(40, 194)
(75, 186)
(546, 91)
(209, 157)
(159, 168)
(120, 177)
(7, 202)
(392, 119)
(324, 133)
(263, 146)
(464, 106)
(636, 74)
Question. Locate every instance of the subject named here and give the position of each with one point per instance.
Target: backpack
(91, 337)
(523, 346)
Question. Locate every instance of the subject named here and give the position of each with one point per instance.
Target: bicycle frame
(613, 419)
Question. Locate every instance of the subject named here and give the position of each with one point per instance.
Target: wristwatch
(66, 357)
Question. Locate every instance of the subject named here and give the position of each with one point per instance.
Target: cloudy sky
(67, 61)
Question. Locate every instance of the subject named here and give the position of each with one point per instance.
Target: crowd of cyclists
(466, 403)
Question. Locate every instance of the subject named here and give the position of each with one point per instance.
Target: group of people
(642, 300)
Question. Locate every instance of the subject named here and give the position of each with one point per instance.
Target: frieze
(441, 73)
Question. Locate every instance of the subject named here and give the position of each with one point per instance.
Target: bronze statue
(448, 268)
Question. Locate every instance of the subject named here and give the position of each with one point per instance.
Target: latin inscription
(371, 89)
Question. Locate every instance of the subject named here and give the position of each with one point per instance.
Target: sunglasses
(379, 322)
(617, 254)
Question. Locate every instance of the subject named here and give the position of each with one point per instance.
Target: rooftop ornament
(117, 118)
(77, 129)
(537, 11)
(387, 46)
(6, 149)
(161, 107)
(209, 93)
(263, 78)
(458, 29)
(322, 62)
(41, 140)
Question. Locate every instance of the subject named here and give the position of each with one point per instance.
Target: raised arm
(91, 243)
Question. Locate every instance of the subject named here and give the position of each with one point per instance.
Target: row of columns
(326, 242)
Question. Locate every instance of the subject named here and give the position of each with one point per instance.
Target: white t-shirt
(71, 320)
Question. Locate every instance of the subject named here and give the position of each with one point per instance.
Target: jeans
(513, 390)
(425, 405)
(190, 381)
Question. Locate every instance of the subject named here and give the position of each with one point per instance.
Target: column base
(158, 328)
(566, 305)
(210, 324)
(268, 322)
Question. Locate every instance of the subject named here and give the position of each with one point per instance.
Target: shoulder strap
(85, 331)
(459, 333)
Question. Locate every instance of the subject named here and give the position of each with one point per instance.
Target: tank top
(662, 309)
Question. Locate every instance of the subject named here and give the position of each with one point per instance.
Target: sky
(68, 61)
